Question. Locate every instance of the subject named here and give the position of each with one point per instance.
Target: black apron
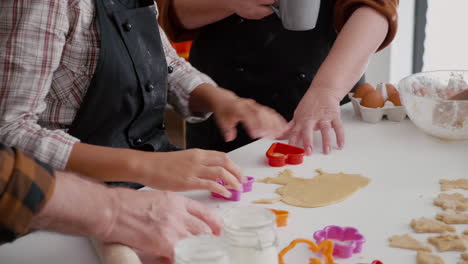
(126, 99)
(259, 59)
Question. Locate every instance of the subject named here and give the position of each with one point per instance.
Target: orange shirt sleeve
(388, 8)
(171, 24)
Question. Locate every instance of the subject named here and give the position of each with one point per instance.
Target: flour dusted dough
(426, 225)
(428, 258)
(448, 242)
(268, 201)
(454, 201)
(322, 190)
(451, 217)
(408, 242)
(446, 185)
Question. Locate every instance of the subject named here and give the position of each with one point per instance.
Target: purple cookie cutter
(235, 194)
(354, 240)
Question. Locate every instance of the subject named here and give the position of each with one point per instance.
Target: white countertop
(404, 164)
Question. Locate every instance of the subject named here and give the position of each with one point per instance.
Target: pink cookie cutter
(235, 194)
(350, 235)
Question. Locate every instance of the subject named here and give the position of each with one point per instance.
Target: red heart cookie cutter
(280, 154)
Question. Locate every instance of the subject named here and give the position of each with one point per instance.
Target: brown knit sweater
(343, 10)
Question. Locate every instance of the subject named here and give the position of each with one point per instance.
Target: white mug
(298, 15)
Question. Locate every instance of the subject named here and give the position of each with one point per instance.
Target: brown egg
(373, 99)
(363, 89)
(391, 89)
(395, 99)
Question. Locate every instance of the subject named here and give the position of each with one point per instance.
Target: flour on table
(428, 258)
(454, 201)
(446, 185)
(427, 225)
(448, 242)
(408, 242)
(321, 190)
(451, 217)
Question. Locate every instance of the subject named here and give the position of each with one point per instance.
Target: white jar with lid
(250, 235)
(203, 249)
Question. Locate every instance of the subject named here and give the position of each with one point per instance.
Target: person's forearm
(207, 97)
(78, 206)
(361, 36)
(103, 163)
(196, 14)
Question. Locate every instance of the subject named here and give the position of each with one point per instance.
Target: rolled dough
(446, 185)
(454, 201)
(427, 225)
(428, 258)
(451, 217)
(408, 242)
(448, 242)
(321, 190)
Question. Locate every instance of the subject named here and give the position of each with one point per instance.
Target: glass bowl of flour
(437, 102)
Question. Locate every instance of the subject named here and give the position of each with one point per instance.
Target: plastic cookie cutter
(235, 194)
(280, 154)
(351, 237)
(281, 217)
(326, 248)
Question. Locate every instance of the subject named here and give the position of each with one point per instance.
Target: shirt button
(162, 126)
(240, 21)
(149, 87)
(170, 69)
(137, 141)
(127, 27)
(302, 76)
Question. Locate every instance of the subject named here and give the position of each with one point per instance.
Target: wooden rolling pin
(115, 253)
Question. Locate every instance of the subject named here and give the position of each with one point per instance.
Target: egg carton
(374, 115)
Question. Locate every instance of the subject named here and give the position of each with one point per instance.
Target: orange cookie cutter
(325, 246)
(281, 217)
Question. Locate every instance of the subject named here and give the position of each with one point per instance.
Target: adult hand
(259, 121)
(154, 221)
(193, 169)
(251, 9)
(316, 112)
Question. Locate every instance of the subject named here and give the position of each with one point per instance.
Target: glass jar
(203, 249)
(250, 235)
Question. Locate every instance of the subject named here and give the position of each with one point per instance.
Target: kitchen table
(404, 164)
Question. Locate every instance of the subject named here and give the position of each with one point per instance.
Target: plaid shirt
(25, 187)
(48, 54)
